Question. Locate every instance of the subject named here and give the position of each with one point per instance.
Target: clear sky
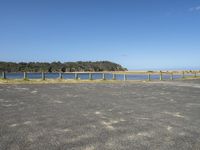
(138, 34)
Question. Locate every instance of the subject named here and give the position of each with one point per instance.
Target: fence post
(103, 76)
(161, 77)
(25, 75)
(125, 77)
(60, 75)
(149, 77)
(3, 75)
(90, 76)
(76, 76)
(183, 74)
(195, 74)
(114, 77)
(43, 76)
(172, 78)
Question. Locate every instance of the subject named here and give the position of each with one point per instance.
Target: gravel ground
(139, 116)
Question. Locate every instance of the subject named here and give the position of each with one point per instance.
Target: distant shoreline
(60, 67)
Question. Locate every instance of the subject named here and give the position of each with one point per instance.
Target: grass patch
(26, 79)
(53, 81)
(191, 77)
(49, 81)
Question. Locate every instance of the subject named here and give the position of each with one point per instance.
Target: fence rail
(107, 75)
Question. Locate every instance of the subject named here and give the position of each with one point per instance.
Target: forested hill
(58, 66)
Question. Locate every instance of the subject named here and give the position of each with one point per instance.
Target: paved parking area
(140, 116)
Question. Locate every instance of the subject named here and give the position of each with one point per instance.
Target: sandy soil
(154, 115)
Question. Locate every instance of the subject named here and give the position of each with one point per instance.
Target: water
(95, 76)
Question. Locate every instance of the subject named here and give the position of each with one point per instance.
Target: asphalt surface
(135, 116)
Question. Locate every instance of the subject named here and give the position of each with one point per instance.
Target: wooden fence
(148, 74)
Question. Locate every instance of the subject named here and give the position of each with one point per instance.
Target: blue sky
(138, 34)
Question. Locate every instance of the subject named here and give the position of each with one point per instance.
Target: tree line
(60, 67)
